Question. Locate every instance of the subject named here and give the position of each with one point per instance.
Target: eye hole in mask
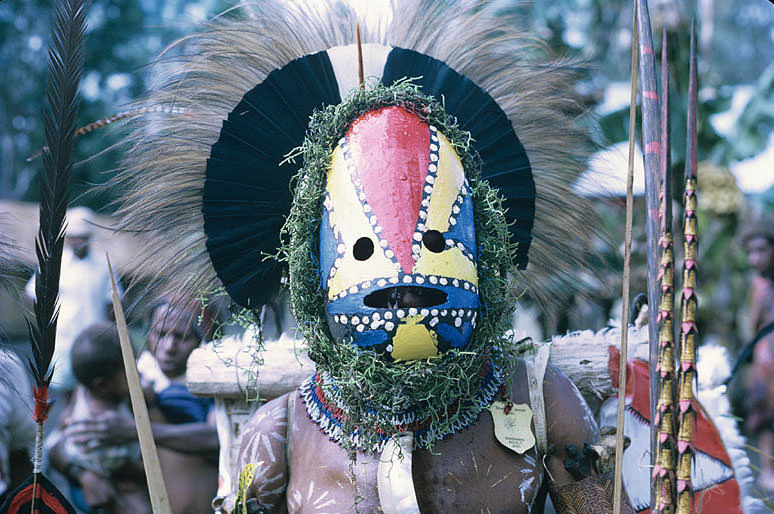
(363, 249)
(434, 241)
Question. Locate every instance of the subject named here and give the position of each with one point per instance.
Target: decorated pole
(688, 327)
(651, 142)
(664, 468)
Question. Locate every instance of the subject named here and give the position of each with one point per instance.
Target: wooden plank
(227, 369)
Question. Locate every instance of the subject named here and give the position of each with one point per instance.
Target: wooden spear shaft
(360, 73)
(150, 457)
(619, 439)
(688, 327)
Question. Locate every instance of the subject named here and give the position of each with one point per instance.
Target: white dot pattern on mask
(407, 279)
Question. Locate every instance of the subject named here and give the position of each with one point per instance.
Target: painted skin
(468, 472)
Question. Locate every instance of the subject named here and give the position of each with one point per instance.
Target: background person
(759, 243)
(104, 477)
(183, 424)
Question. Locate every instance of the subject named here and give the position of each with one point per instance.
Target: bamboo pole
(688, 327)
(620, 425)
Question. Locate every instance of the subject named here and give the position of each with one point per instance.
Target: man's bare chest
(468, 472)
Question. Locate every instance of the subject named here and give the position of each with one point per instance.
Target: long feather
(64, 74)
(65, 66)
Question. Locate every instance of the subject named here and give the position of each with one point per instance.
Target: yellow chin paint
(413, 341)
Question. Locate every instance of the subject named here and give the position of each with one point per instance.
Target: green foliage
(244, 320)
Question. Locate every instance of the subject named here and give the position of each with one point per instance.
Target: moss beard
(372, 400)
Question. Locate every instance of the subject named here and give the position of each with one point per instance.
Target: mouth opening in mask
(405, 296)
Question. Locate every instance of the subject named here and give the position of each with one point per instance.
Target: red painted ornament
(48, 499)
(42, 405)
(721, 492)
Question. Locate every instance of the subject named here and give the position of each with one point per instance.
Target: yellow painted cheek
(450, 263)
(446, 187)
(413, 341)
(350, 223)
(353, 272)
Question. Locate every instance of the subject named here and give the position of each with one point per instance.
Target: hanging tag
(512, 425)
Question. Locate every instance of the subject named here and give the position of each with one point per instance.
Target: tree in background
(123, 38)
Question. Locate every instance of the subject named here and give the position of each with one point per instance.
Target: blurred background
(736, 130)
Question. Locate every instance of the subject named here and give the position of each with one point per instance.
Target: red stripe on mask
(391, 150)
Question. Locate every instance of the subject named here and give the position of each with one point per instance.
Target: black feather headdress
(204, 180)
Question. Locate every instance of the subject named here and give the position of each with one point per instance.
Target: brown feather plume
(12, 265)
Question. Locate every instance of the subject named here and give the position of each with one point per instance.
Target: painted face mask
(397, 239)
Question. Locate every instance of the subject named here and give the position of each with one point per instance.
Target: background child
(183, 425)
(106, 477)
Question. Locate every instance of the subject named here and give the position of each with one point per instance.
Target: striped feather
(64, 74)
